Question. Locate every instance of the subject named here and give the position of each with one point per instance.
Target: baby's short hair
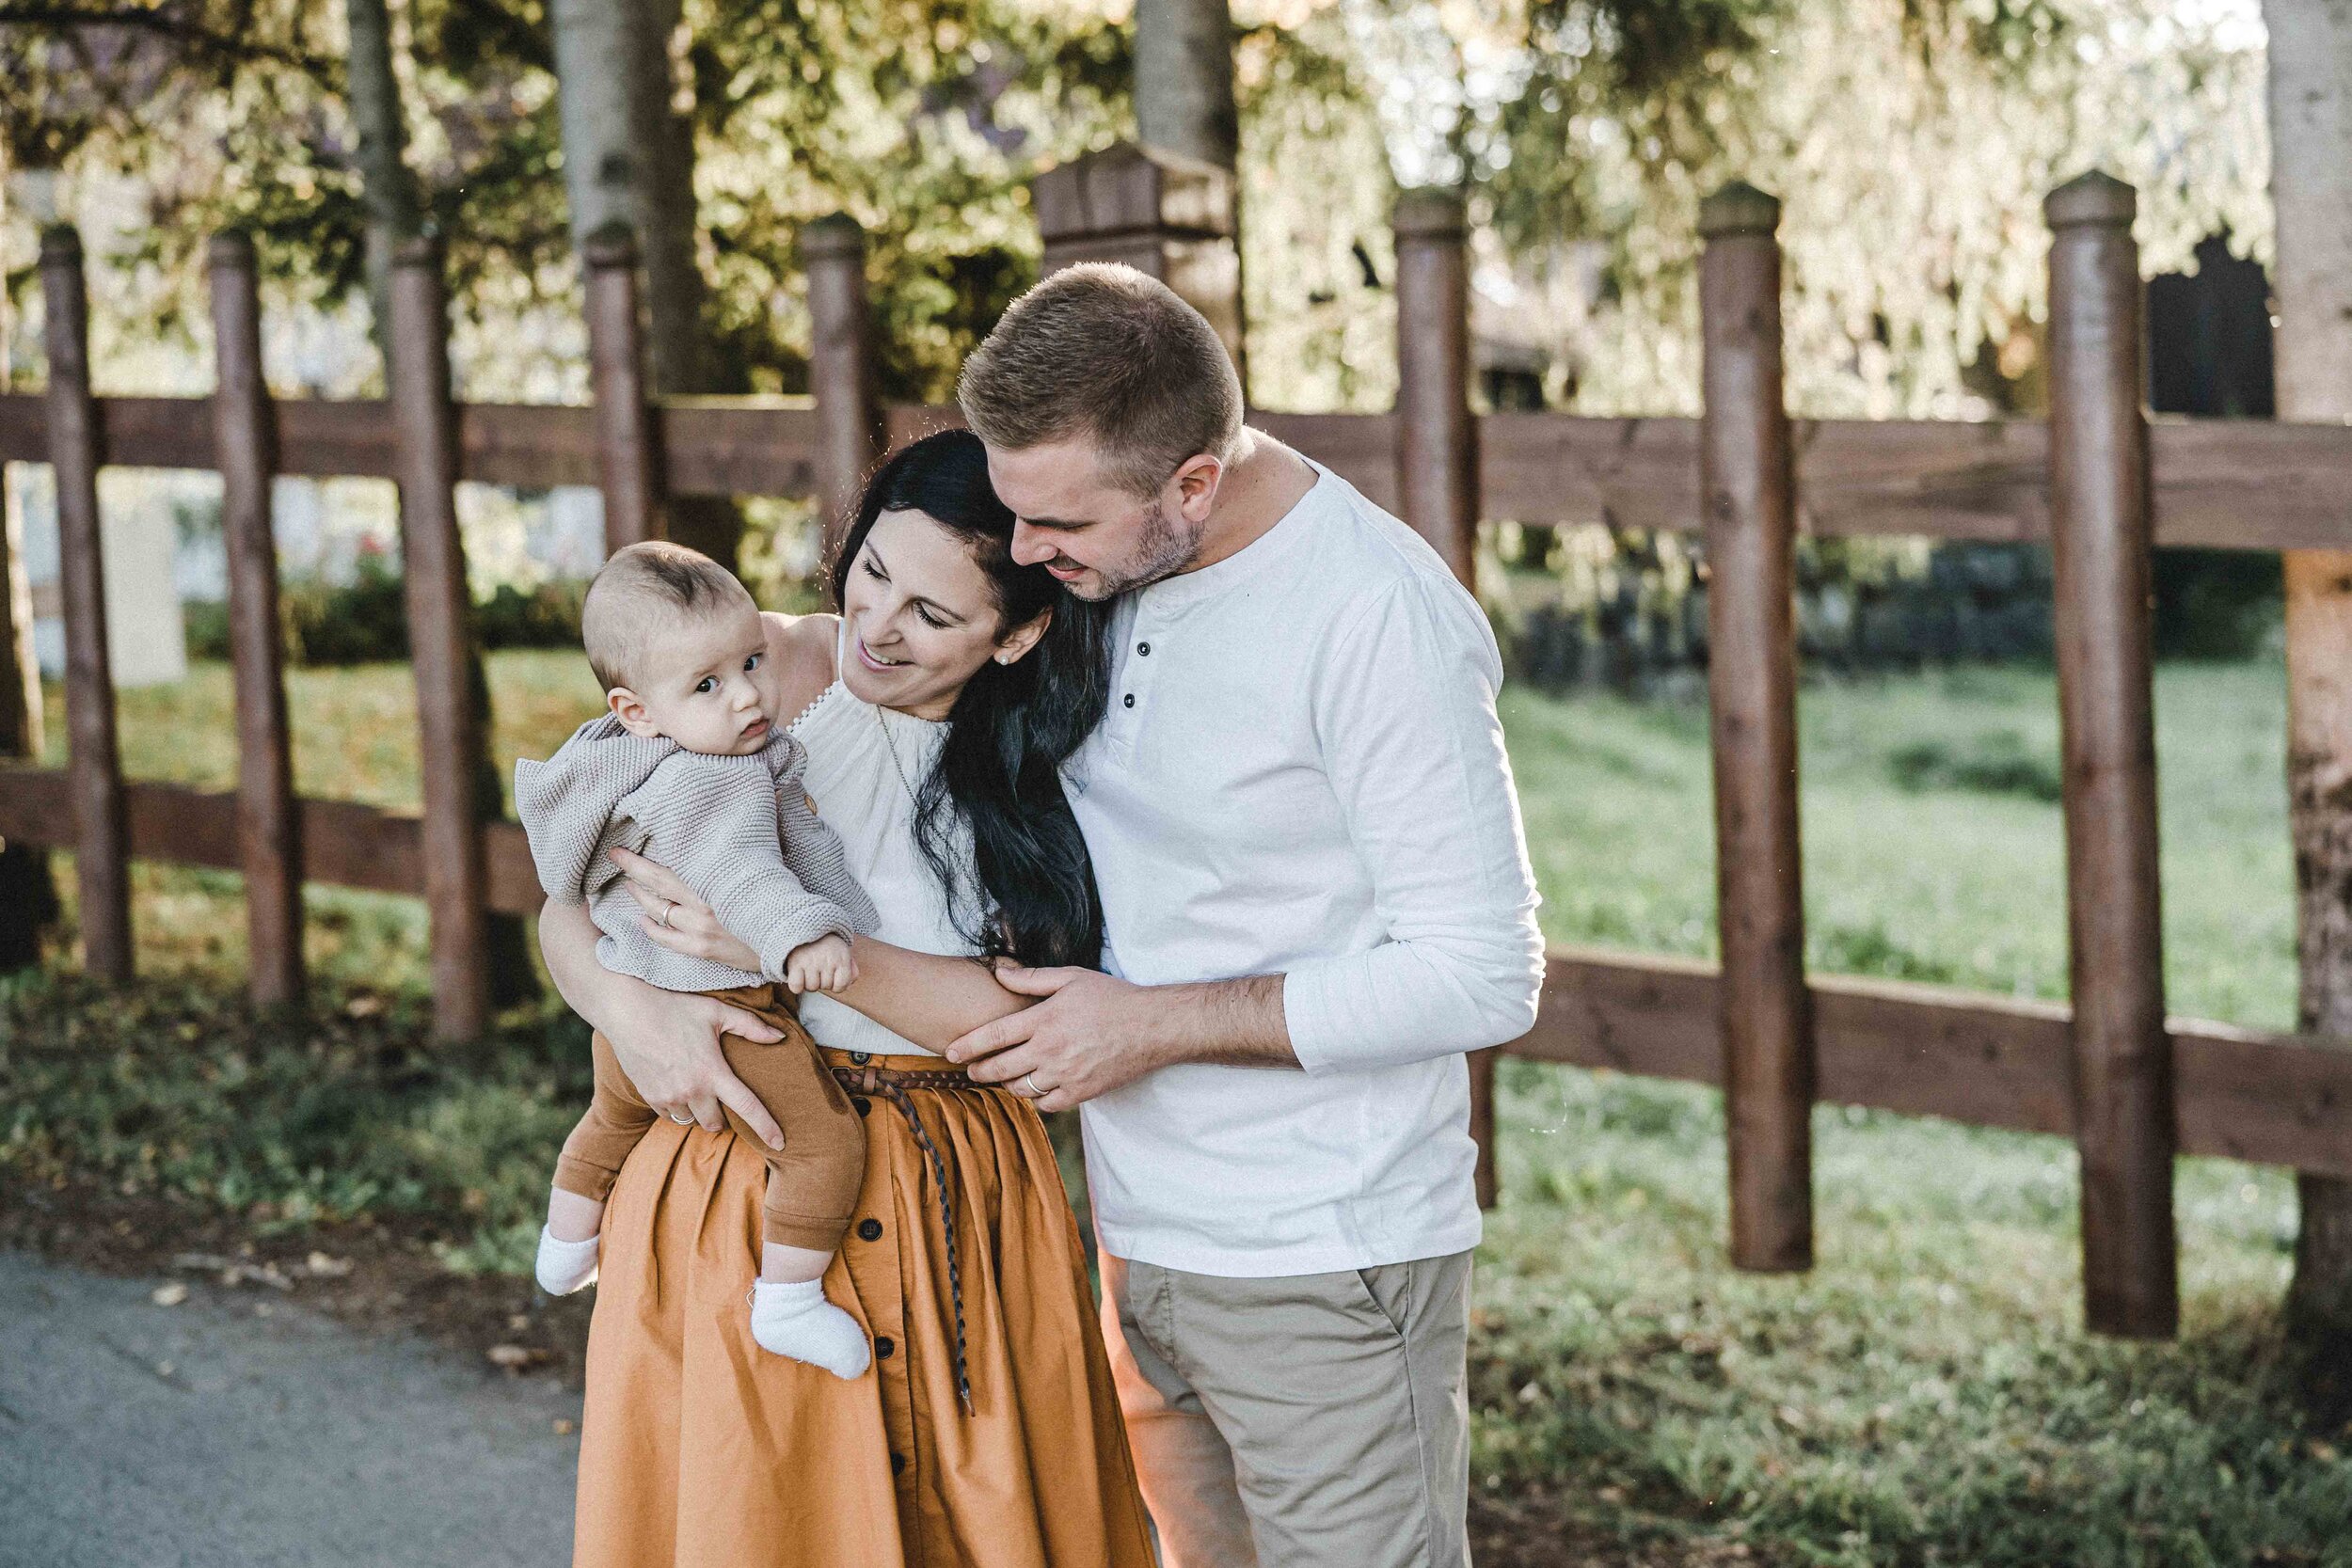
(640, 589)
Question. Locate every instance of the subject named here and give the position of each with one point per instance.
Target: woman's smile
(873, 661)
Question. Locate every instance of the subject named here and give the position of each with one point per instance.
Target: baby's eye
(752, 663)
(707, 685)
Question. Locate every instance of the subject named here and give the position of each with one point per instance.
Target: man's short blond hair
(643, 589)
(1103, 351)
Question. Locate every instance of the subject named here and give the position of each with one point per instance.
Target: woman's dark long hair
(1012, 726)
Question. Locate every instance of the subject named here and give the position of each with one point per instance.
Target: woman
(936, 709)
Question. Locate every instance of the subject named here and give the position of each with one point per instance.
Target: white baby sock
(565, 1266)
(796, 1320)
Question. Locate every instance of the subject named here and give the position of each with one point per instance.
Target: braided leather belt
(892, 1084)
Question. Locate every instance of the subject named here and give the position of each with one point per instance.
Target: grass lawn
(1924, 1396)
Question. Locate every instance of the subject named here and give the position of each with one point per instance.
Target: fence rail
(2218, 484)
(2100, 481)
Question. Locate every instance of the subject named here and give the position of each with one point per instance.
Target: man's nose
(1030, 547)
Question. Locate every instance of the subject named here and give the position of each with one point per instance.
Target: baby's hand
(822, 965)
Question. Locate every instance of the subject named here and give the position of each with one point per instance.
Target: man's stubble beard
(1166, 548)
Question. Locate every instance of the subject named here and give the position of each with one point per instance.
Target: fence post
(628, 434)
(1749, 492)
(851, 433)
(102, 842)
(433, 562)
(1437, 454)
(28, 898)
(1437, 460)
(245, 440)
(2100, 533)
(1158, 212)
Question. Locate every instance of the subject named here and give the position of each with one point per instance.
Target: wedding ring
(681, 1120)
(1032, 1092)
(663, 919)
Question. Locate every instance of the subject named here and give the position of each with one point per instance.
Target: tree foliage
(1911, 140)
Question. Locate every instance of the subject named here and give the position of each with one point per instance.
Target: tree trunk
(1184, 96)
(388, 189)
(1183, 87)
(628, 157)
(2311, 183)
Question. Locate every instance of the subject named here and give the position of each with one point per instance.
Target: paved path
(200, 1435)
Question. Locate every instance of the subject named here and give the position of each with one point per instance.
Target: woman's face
(921, 617)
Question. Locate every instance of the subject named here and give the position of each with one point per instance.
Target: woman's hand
(667, 1041)
(668, 1044)
(676, 919)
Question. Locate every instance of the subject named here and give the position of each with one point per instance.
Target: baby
(689, 767)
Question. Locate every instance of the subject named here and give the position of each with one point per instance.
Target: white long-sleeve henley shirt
(1302, 773)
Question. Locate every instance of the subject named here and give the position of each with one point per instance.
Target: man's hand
(1091, 1034)
(824, 965)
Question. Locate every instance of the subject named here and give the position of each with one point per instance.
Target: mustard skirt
(699, 1450)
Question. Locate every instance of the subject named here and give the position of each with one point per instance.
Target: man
(1317, 899)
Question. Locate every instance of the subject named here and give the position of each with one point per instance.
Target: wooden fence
(2099, 481)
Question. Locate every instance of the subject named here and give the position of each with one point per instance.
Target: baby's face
(707, 685)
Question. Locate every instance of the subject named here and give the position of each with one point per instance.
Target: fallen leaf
(170, 1295)
(323, 1267)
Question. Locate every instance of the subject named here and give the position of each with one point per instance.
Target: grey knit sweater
(740, 831)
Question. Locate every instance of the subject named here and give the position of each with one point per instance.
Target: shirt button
(1129, 700)
(870, 1230)
(862, 1104)
(1144, 648)
(883, 1345)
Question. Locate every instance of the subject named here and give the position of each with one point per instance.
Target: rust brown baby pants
(813, 1181)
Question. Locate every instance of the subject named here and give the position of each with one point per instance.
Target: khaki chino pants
(1306, 1421)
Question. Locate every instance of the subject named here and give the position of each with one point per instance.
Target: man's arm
(1404, 709)
(667, 1041)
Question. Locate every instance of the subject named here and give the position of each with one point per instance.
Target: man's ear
(1196, 485)
(629, 710)
(1017, 643)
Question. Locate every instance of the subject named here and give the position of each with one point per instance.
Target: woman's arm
(667, 1041)
(927, 997)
